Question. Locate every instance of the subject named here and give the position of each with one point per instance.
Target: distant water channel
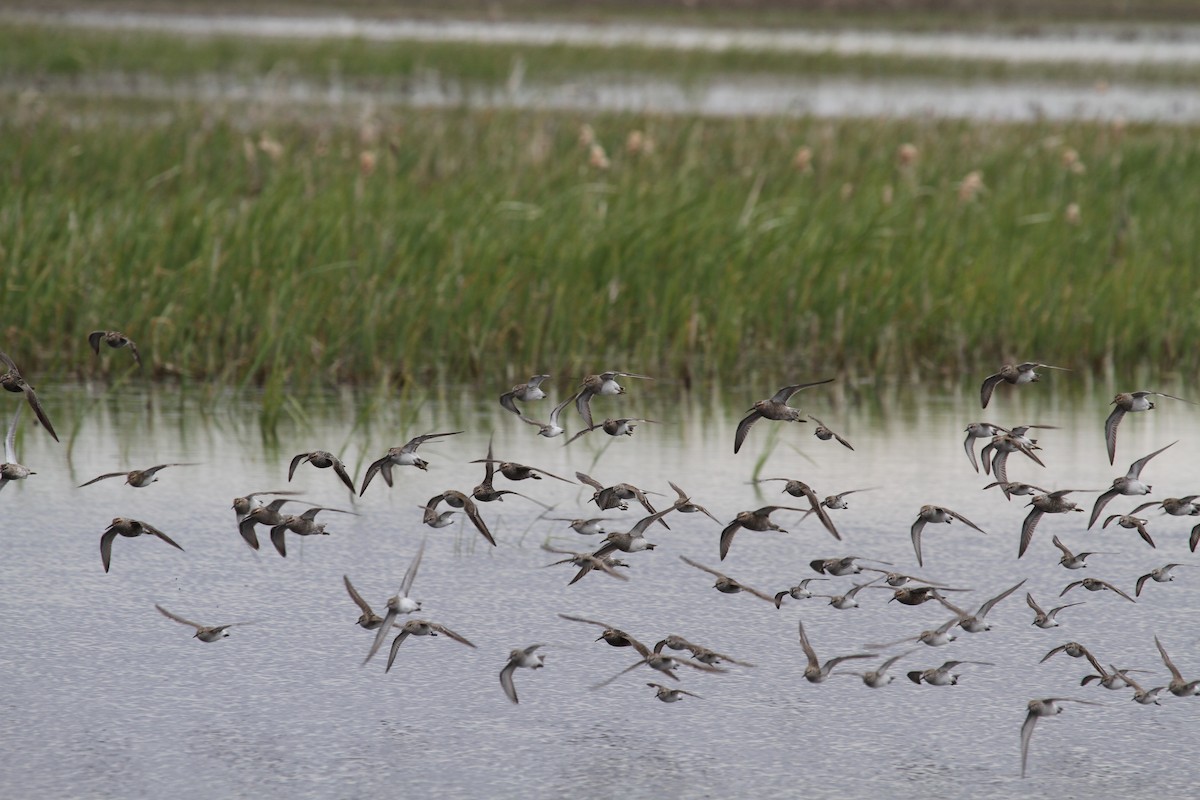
(729, 95)
(106, 698)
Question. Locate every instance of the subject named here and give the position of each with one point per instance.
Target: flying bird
(775, 408)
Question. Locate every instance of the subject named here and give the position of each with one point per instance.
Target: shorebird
(1116, 679)
(115, 340)
(1016, 489)
(368, 620)
(815, 671)
(136, 478)
(684, 505)
(124, 526)
(1045, 707)
(12, 381)
(974, 623)
(838, 501)
(606, 497)
(775, 408)
(1042, 618)
(979, 430)
(12, 469)
(935, 637)
(613, 427)
(1175, 506)
(1129, 402)
(1016, 374)
(614, 637)
(518, 472)
(1178, 686)
(669, 695)
(798, 592)
(420, 627)
(520, 657)
(757, 520)
(1160, 575)
(399, 603)
(1128, 484)
(243, 505)
(1052, 503)
(878, 678)
(586, 563)
(260, 515)
(456, 499)
(603, 384)
(1074, 650)
(726, 584)
(1076, 560)
(797, 488)
(995, 454)
(525, 392)
(824, 433)
(302, 525)
(403, 456)
(633, 540)
(847, 600)
(584, 527)
(941, 676)
(845, 565)
(1145, 697)
(930, 513)
(322, 459)
(433, 519)
(552, 428)
(1133, 523)
(666, 664)
(700, 653)
(205, 633)
(485, 492)
(1095, 585)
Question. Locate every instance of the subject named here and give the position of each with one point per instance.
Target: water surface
(105, 697)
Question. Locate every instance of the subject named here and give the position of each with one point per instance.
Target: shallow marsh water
(104, 697)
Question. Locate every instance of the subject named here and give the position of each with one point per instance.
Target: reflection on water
(107, 698)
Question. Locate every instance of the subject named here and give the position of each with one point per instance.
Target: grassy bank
(239, 248)
(30, 52)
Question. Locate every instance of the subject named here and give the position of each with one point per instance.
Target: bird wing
(1167, 660)
(10, 439)
(989, 385)
(590, 481)
(399, 640)
(969, 447)
(709, 570)
(727, 537)
(295, 463)
(156, 532)
(177, 618)
(1065, 550)
(1135, 469)
(785, 394)
(508, 400)
(458, 637)
(917, 527)
(1110, 432)
(411, 573)
(32, 398)
(102, 477)
(356, 597)
(811, 654)
(1027, 529)
(743, 428)
(506, 674)
(94, 340)
(278, 534)
(987, 606)
(371, 470)
(473, 514)
(1101, 502)
(582, 405)
(340, 469)
(1031, 719)
(106, 542)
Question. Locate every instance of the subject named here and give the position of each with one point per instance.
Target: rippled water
(105, 697)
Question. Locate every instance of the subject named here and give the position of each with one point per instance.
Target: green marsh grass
(286, 250)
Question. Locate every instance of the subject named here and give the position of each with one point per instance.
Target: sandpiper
(137, 478)
(1045, 707)
(1160, 575)
(757, 520)
(613, 427)
(1095, 585)
(845, 565)
(684, 505)
(205, 633)
(584, 527)
(14, 382)
(941, 676)
(420, 627)
(1129, 484)
(587, 563)
(525, 392)
(368, 620)
(775, 408)
(660, 661)
(824, 433)
(1042, 618)
(1052, 503)
(243, 505)
(124, 526)
(815, 671)
(613, 636)
(1129, 402)
(996, 452)
(878, 678)
(699, 652)
(322, 459)
(1178, 686)
(12, 469)
(603, 384)
(974, 623)
(403, 456)
(552, 428)
(838, 501)
(1015, 374)
(798, 592)
(606, 497)
(797, 488)
(260, 515)
(726, 584)
(669, 695)
(979, 430)
(456, 499)
(302, 525)
(114, 339)
(1074, 650)
(519, 657)
(1133, 523)
(1072, 560)
(930, 513)
(399, 603)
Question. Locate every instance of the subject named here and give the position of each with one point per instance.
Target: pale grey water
(720, 95)
(104, 697)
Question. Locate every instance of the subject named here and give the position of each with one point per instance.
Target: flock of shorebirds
(397, 612)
